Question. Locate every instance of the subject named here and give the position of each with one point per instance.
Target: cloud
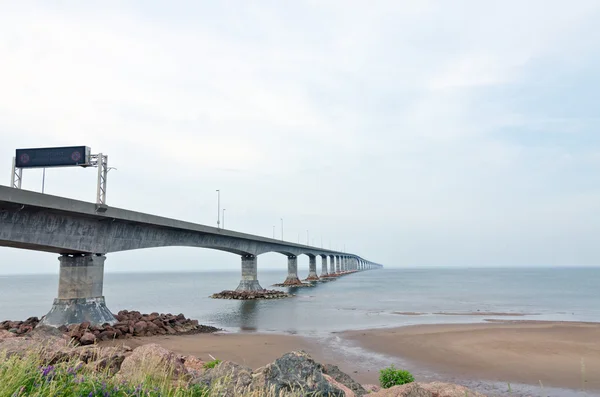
(418, 124)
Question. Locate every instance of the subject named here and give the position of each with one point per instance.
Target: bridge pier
(80, 296)
(312, 269)
(249, 281)
(292, 277)
(338, 263)
(323, 265)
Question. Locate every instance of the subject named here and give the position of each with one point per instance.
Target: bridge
(83, 233)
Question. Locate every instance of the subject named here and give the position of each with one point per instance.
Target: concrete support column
(323, 266)
(80, 299)
(338, 261)
(249, 281)
(331, 264)
(312, 269)
(292, 278)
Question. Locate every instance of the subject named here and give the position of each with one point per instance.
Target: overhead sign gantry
(65, 156)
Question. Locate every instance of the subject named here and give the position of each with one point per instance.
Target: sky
(412, 133)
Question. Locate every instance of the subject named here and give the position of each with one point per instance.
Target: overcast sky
(415, 133)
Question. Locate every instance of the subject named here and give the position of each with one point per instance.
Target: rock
(6, 334)
(294, 372)
(150, 360)
(347, 391)
(344, 379)
(435, 389)
(108, 363)
(371, 388)
(140, 328)
(193, 365)
(226, 379)
(87, 338)
(107, 335)
(440, 389)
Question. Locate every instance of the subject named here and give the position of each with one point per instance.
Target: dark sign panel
(52, 157)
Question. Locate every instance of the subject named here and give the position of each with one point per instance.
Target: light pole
(43, 179)
(281, 229)
(307, 242)
(273, 231)
(223, 218)
(218, 208)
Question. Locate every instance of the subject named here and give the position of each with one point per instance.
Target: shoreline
(483, 356)
(505, 351)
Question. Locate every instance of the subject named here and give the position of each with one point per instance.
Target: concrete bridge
(83, 233)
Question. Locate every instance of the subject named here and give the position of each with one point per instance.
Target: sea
(364, 300)
(370, 299)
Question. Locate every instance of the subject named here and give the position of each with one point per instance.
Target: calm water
(363, 300)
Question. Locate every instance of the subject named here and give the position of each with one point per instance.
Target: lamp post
(281, 229)
(307, 242)
(218, 208)
(223, 218)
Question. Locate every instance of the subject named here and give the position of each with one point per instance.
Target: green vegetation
(212, 364)
(391, 376)
(27, 376)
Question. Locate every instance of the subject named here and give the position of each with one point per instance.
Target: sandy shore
(509, 352)
(252, 349)
(516, 351)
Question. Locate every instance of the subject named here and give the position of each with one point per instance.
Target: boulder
(151, 360)
(435, 389)
(347, 391)
(294, 372)
(371, 388)
(6, 334)
(193, 365)
(140, 328)
(88, 338)
(344, 379)
(226, 379)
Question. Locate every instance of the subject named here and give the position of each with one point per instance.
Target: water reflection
(248, 313)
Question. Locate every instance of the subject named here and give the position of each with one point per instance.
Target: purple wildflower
(48, 372)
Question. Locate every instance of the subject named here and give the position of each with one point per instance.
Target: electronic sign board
(52, 157)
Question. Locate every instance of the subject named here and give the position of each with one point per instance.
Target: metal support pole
(102, 164)
(16, 175)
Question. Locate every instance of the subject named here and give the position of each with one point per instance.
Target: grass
(212, 364)
(28, 375)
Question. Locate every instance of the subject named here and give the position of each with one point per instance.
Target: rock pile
(130, 323)
(20, 327)
(134, 323)
(300, 285)
(249, 295)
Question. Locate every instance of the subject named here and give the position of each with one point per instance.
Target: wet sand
(516, 351)
(251, 349)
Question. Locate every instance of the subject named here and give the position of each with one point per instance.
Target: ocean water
(362, 300)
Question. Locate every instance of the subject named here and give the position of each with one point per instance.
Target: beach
(525, 352)
(559, 354)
